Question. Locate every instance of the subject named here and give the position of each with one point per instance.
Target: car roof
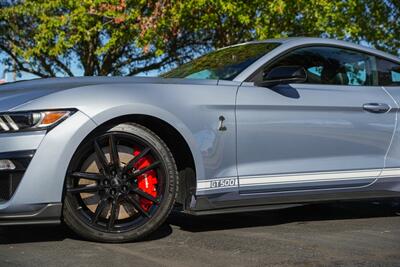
(300, 41)
(295, 42)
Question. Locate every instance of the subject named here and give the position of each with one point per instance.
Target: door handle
(376, 107)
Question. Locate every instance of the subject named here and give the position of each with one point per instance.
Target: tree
(127, 37)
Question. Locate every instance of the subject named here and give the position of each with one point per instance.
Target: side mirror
(284, 75)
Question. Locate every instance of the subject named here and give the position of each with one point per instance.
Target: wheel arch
(172, 131)
(176, 143)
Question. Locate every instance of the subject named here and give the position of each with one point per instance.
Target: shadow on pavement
(339, 211)
(50, 233)
(302, 214)
(34, 233)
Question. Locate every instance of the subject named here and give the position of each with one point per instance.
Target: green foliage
(126, 37)
(223, 63)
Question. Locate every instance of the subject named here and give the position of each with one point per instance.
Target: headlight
(32, 120)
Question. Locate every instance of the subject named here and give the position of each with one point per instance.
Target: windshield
(224, 64)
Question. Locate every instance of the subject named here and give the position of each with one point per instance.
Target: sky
(27, 76)
(9, 76)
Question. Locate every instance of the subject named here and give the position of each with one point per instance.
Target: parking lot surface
(344, 234)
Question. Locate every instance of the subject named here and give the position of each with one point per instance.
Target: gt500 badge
(227, 182)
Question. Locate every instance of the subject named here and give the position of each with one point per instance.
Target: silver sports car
(254, 126)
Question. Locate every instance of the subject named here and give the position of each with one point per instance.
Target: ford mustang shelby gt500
(254, 126)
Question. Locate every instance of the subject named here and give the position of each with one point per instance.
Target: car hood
(14, 94)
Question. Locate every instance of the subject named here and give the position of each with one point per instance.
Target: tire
(132, 201)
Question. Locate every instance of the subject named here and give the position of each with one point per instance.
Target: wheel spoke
(146, 169)
(99, 210)
(101, 158)
(114, 215)
(114, 152)
(88, 175)
(115, 185)
(136, 159)
(138, 207)
(146, 196)
(84, 189)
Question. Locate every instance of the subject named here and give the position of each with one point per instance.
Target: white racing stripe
(217, 183)
(295, 178)
(309, 177)
(391, 172)
(203, 185)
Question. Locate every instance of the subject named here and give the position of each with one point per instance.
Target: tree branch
(20, 65)
(153, 66)
(63, 67)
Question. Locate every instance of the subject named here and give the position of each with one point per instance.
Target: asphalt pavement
(341, 234)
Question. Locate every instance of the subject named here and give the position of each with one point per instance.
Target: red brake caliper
(146, 182)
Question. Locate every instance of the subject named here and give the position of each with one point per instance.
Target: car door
(389, 78)
(331, 131)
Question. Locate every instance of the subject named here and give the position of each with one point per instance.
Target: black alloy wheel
(121, 185)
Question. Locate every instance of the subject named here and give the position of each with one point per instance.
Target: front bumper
(39, 214)
(38, 197)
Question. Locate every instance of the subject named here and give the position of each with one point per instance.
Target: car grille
(8, 184)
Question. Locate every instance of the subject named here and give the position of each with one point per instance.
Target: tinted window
(388, 73)
(224, 64)
(330, 65)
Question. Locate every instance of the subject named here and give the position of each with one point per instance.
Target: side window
(331, 65)
(388, 73)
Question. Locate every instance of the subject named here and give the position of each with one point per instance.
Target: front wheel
(121, 185)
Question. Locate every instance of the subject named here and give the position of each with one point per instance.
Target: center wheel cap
(116, 183)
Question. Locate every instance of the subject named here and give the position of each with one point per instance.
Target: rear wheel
(121, 185)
